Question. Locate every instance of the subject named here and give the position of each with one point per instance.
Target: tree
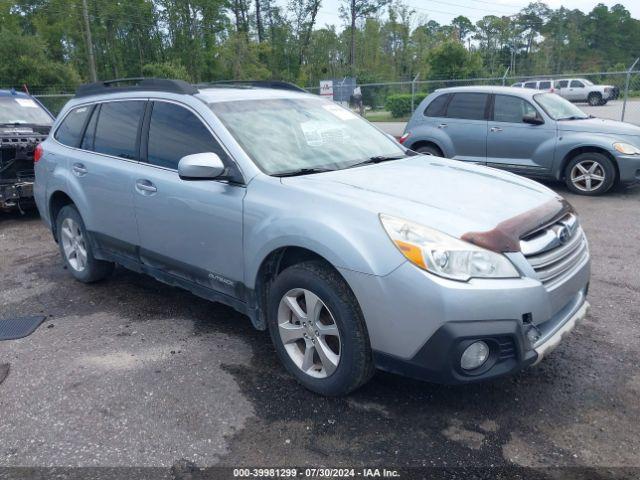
(305, 13)
(353, 10)
(463, 26)
(451, 60)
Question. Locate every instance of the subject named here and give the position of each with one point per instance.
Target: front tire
(590, 173)
(318, 330)
(76, 249)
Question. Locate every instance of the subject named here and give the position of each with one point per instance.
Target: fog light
(474, 355)
(533, 334)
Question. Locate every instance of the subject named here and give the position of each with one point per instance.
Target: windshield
(558, 108)
(17, 110)
(286, 135)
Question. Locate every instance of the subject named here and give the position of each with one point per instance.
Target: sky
(443, 12)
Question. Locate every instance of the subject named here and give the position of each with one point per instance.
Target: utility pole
(352, 50)
(89, 42)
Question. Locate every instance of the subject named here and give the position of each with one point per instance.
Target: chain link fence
(396, 101)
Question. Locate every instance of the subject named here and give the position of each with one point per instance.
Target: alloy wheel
(309, 333)
(73, 244)
(588, 175)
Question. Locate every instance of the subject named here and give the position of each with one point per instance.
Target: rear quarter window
(70, 130)
(544, 85)
(436, 107)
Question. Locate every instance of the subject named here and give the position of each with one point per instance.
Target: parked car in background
(24, 123)
(353, 251)
(528, 132)
(583, 90)
(546, 85)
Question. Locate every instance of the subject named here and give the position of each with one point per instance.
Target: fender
(77, 194)
(340, 250)
(569, 141)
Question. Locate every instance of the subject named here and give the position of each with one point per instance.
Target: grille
(556, 251)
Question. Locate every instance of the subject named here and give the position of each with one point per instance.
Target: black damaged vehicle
(24, 123)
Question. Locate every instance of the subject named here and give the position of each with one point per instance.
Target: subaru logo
(563, 234)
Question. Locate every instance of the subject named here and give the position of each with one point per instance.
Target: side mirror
(200, 166)
(532, 120)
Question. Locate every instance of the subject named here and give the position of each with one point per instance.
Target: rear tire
(430, 150)
(590, 173)
(76, 250)
(594, 99)
(340, 359)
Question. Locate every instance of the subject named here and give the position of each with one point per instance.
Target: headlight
(626, 148)
(444, 255)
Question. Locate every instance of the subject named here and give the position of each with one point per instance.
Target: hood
(599, 125)
(448, 195)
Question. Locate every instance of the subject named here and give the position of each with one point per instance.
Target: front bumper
(629, 168)
(511, 351)
(419, 324)
(13, 194)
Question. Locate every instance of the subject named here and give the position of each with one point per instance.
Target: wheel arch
(57, 200)
(425, 143)
(586, 149)
(271, 266)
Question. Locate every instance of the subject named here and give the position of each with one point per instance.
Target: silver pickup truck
(583, 90)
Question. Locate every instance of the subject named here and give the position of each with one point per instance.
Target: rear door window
(544, 85)
(436, 107)
(117, 129)
(175, 132)
(70, 130)
(468, 106)
(562, 83)
(530, 85)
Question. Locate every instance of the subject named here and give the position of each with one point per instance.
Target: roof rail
(136, 84)
(276, 84)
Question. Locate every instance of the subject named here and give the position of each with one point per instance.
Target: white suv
(545, 85)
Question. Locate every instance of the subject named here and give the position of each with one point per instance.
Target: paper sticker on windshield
(318, 134)
(341, 113)
(26, 102)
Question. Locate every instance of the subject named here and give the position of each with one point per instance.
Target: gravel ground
(130, 372)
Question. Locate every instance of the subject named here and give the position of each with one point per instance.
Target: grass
(383, 116)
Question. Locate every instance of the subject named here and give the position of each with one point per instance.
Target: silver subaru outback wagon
(354, 252)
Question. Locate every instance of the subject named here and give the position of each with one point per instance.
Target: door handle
(79, 169)
(145, 187)
(443, 125)
(495, 129)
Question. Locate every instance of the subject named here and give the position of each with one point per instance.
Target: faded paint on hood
(448, 195)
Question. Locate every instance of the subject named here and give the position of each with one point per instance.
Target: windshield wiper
(378, 159)
(302, 171)
(573, 117)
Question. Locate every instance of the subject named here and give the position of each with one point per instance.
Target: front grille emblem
(564, 234)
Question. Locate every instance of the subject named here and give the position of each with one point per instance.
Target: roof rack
(136, 84)
(277, 84)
